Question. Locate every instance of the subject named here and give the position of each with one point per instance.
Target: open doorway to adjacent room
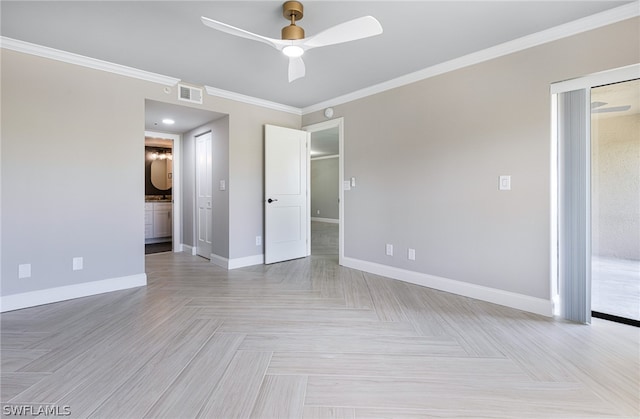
(615, 201)
(170, 214)
(325, 168)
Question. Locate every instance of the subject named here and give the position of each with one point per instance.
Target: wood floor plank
(283, 314)
(401, 366)
(236, 393)
(326, 412)
(14, 359)
(437, 345)
(14, 383)
(281, 396)
(508, 398)
(336, 329)
(387, 306)
(356, 291)
(187, 394)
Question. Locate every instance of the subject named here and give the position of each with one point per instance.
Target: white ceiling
(167, 37)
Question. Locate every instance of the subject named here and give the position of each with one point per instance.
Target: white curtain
(574, 201)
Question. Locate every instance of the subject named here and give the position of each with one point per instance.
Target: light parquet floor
(309, 339)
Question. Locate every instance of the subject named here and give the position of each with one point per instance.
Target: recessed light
(168, 121)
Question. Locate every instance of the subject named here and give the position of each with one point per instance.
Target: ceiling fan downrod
(292, 10)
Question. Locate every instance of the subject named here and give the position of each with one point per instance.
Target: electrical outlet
(78, 264)
(258, 240)
(317, 212)
(389, 250)
(412, 254)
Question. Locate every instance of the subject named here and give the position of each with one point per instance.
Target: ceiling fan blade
(362, 27)
(296, 68)
(232, 30)
(611, 109)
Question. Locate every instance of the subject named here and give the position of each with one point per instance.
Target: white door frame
(585, 83)
(176, 187)
(321, 126)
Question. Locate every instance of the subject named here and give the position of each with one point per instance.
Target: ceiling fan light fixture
(293, 51)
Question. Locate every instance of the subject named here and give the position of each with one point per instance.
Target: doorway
(615, 202)
(327, 192)
(162, 192)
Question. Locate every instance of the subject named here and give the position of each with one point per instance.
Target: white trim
(236, 263)
(630, 72)
(321, 126)
(335, 156)
(219, 261)
(188, 249)
(69, 292)
(246, 261)
(478, 292)
(325, 220)
(595, 21)
(71, 58)
(226, 94)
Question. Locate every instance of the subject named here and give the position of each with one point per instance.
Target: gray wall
(324, 188)
(616, 187)
(61, 150)
(220, 171)
(427, 157)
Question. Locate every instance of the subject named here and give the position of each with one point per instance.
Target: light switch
(346, 185)
(389, 250)
(504, 183)
(24, 271)
(78, 264)
(223, 185)
(353, 182)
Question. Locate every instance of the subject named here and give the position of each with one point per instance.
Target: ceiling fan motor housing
(292, 10)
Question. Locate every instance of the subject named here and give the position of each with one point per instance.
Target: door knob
(271, 200)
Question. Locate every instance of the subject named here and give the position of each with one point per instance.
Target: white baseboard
(69, 292)
(326, 220)
(189, 249)
(219, 261)
(238, 262)
(478, 292)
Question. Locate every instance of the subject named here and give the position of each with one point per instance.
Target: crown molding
(226, 94)
(598, 20)
(71, 58)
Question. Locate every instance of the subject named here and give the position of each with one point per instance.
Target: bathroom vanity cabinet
(158, 220)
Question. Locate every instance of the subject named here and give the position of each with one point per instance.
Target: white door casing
(204, 214)
(286, 194)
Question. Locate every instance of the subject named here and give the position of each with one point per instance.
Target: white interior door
(204, 215)
(286, 194)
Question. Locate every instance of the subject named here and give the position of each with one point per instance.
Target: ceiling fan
(294, 44)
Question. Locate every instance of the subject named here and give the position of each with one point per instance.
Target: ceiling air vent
(189, 94)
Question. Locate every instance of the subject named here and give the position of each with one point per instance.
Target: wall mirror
(161, 174)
